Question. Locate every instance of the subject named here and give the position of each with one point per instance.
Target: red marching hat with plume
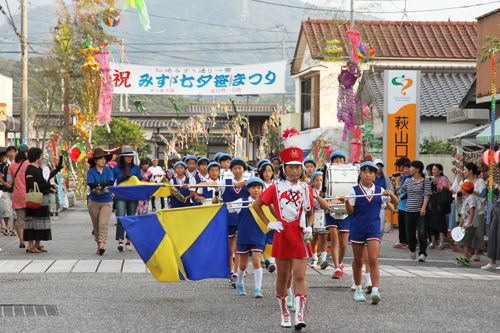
(292, 154)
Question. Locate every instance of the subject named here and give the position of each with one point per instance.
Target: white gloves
(307, 230)
(278, 226)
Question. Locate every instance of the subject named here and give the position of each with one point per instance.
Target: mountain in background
(184, 33)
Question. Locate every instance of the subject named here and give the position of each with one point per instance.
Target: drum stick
(356, 196)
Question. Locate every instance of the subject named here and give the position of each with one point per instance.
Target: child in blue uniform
(213, 170)
(179, 180)
(365, 226)
(192, 174)
(250, 239)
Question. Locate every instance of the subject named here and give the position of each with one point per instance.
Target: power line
(372, 12)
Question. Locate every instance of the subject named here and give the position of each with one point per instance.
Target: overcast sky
(383, 7)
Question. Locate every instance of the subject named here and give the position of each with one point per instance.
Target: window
(309, 101)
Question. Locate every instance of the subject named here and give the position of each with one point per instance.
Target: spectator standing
(418, 189)
(157, 174)
(17, 176)
(471, 173)
(403, 165)
(383, 181)
(37, 221)
(437, 220)
(494, 235)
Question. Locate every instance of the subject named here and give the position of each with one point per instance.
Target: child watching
(365, 226)
(468, 220)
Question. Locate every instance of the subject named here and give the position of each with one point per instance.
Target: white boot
(300, 304)
(285, 315)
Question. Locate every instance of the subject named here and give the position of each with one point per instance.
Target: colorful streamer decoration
(77, 153)
(492, 142)
(346, 106)
(366, 52)
(175, 106)
(332, 50)
(143, 11)
(234, 106)
(111, 17)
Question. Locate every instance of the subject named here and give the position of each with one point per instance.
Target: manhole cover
(28, 310)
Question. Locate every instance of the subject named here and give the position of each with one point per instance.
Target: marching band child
(266, 173)
(310, 166)
(231, 192)
(293, 202)
(338, 229)
(319, 238)
(192, 174)
(202, 169)
(250, 239)
(225, 162)
(178, 181)
(365, 226)
(203, 193)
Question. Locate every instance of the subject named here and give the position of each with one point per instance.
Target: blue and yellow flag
(134, 189)
(269, 245)
(183, 243)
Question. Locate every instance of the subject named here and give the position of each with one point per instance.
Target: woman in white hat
(124, 207)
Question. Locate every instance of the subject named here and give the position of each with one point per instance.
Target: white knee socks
(258, 277)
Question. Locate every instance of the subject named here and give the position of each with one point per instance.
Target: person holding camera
(100, 201)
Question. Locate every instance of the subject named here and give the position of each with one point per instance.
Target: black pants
(162, 202)
(402, 227)
(414, 221)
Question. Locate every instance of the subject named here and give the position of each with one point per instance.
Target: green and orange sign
(401, 116)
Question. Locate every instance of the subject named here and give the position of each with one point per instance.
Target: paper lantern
(111, 17)
(77, 153)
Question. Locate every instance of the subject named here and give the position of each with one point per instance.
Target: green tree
(197, 149)
(122, 133)
(434, 145)
(144, 152)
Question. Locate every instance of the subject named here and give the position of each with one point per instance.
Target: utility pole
(24, 71)
(352, 15)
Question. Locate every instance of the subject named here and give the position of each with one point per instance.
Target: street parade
(241, 166)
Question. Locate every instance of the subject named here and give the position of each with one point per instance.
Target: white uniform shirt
(368, 191)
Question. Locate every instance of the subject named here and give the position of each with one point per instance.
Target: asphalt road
(463, 300)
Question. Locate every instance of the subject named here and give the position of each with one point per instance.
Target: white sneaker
(353, 285)
(488, 266)
(413, 255)
(421, 258)
(475, 258)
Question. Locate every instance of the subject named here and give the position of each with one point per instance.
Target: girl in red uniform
(293, 202)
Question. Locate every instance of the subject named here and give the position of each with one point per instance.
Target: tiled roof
(267, 109)
(213, 139)
(440, 87)
(393, 39)
(154, 123)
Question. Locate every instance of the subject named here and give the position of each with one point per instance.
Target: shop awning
(484, 137)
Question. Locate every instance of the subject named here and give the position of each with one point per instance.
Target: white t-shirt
(157, 172)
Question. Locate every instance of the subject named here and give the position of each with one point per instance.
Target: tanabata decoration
(77, 153)
(353, 35)
(320, 152)
(106, 86)
(143, 11)
(82, 123)
(175, 106)
(356, 145)
(369, 139)
(366, 52)
(270, 142)
(346, 106)
(233, 134)
(111, 17)
(234, 106)
(332, 50)
(492, 142)
(140, 108)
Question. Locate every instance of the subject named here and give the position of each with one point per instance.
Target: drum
(319, 220)
(340, 178)
(226, 175)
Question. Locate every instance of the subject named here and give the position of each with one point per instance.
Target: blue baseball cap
(201, 159)
(309, 160)
(191, 157)
(263, 166)
(224, 157)
(314, 175)
(213, 164)
(264, 160)
(337, 153)
(368, 163)
(238, 161)
(180, 163)
(275, 158)
(254, 180)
